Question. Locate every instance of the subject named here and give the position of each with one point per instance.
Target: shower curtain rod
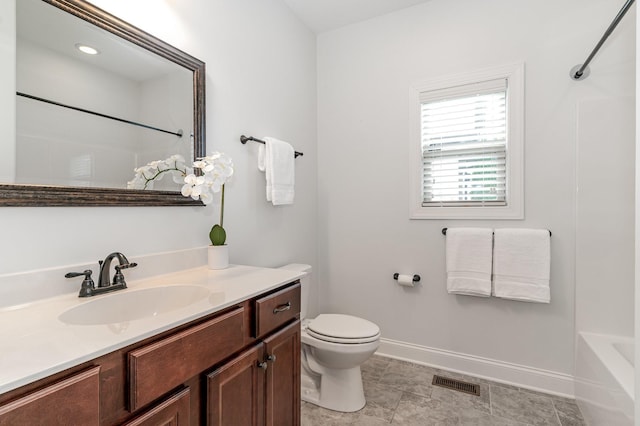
(581, 71)
(179, 133)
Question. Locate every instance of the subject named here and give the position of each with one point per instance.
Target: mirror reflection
(91, 107)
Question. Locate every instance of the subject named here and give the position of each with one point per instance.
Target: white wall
(7, 89)
(637, 231)
(260, 82)
(605, 230)
(364, 74)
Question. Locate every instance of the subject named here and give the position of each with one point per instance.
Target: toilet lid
(343, 329)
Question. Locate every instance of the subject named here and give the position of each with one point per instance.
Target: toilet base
(338, 390)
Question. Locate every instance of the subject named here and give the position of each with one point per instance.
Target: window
(467, 138)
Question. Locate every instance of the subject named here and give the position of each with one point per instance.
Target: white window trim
(514, 73)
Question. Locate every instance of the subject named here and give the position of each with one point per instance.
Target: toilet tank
(305, 285)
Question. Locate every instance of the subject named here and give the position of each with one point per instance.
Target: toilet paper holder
(416, 277)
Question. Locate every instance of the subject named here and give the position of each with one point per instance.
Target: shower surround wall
(364, 75)
(52, 143)
(605, 216)
(605, 258)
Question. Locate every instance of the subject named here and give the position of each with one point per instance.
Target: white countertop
(34, 343)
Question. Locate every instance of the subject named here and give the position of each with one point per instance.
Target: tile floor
(401, 393)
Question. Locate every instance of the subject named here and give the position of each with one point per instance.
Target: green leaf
(217, 235)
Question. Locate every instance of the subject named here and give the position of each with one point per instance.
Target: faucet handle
(87, 287)
(127, 265)
(87, 274)
(118, 278)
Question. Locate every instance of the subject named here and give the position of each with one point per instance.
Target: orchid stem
(174, 168)
(222, 207)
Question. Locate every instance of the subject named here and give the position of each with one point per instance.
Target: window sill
(498, 213)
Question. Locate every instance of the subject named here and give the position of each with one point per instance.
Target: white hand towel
(469, 261)
(522, 264)
(276, 159)
(262, 166)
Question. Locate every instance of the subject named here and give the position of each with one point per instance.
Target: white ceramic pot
(218, 257)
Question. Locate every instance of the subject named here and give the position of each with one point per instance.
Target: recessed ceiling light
(87, 49)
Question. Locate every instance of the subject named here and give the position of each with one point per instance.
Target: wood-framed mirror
(79, 140)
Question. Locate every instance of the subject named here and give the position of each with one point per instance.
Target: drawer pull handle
(271, 358)
(262, 365)
(282, 308)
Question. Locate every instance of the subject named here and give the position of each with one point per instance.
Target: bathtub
(605, 379)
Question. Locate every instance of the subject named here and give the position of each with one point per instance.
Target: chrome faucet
(88, 288)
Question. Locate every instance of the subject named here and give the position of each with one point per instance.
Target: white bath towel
(276, 159)
(469, 261)
(521, 264)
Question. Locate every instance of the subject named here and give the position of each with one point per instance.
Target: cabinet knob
(262, 365)
(271, 358)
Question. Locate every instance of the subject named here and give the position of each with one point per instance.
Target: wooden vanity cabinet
(262, 385)
(157, 368)
(282, 394)
(72, 401)
(208, 371)
(174, 411)
(259, 387)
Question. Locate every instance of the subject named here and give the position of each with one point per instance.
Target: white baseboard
(498, 371)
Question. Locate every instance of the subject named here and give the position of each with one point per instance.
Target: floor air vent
(457, 385)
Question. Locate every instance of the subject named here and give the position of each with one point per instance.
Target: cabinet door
(235, 391)
(174, 411)
(282, 395)
(72, 401)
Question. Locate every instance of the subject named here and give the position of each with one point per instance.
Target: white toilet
(333, 348)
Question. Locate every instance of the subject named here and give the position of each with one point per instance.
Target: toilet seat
(339, 328)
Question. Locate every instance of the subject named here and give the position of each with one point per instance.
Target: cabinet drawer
(72, 401)
(172, 411)
(159, 367)
(276, 309)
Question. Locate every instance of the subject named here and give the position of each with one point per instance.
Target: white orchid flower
(216, 186)
(177, 177)
(200, 164)
(206, 198)
(136, 183)
(211, 158)
(176, 158)
(216, 168)
(193, 191)
(144, 169)
(196, 191)
(186, 190)
(155, 170)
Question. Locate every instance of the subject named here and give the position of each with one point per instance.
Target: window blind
(464, 145)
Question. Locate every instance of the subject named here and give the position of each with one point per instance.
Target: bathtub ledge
(620, 368)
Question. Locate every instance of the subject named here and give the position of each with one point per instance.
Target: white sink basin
(129, 305)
